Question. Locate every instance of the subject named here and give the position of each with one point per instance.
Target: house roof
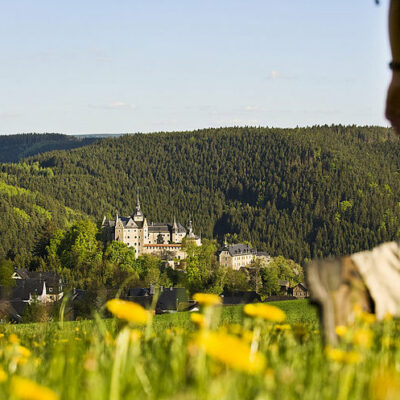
(23, 273)
(237, 249)
(240, 297)
(302, 285)
(169, 298)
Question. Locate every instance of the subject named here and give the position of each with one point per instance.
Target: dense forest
(28, 222)
(15, 147)
(300, 193)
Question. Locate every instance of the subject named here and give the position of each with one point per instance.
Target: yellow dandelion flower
(247, 335)
(385, 384)
(1, 335)
(198, 319)
(265, 311)
(25, 389)
(335, 354)
(368, 318)
(363, 338)
(341, 356)
(352, 357)
(135, 335)
(207, 299)
(283, 327)
(3, 375)
(341, 330)
(13, 338)
(23, 351)
(128, 311)
(230, 350)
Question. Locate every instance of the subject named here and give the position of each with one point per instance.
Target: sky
(81, 67)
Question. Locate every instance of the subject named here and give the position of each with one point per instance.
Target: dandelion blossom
(363, 338)
(198, 319)
(265, 311)
(341, 356)
(26, 389)
(341, 330)
(231, 351)
(3, 375)
(207, 299)
(128, 311)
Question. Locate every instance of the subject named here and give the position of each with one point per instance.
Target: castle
(161, 239)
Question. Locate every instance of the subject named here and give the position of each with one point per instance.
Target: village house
(161, 239)
(237, 256)
(44, 287)
(30, 286)
(300, 291)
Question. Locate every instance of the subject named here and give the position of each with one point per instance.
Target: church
(161, 239)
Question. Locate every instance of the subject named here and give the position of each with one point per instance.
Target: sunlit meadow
(258, 351)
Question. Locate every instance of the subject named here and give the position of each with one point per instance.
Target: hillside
(302, 192)
(15, 147)
(28, 221)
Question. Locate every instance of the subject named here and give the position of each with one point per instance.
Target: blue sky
(161, 65)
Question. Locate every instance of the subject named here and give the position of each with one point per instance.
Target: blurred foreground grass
(223, 354)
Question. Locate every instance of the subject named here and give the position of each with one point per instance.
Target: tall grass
(173, 358)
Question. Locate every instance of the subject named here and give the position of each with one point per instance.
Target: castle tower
(175, 230)
(138, 215)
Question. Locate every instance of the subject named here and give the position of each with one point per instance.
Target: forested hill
(301, 193)
(28, 221)
(16, 147)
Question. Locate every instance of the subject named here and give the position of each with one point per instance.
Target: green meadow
(227, 353)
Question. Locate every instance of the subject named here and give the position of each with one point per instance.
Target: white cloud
(116, 105)
(251, 108)
(274, 75)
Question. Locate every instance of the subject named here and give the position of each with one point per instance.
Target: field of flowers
(260, 351)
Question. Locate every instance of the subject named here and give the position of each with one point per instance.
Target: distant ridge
(100, 135)
(14, 148)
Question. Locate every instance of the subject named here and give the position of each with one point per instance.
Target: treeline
(300, 193)
(15, 147)
(84, 261)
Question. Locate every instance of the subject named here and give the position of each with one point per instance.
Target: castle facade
(161, 239)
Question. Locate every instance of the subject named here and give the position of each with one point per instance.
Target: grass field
(225, 354)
